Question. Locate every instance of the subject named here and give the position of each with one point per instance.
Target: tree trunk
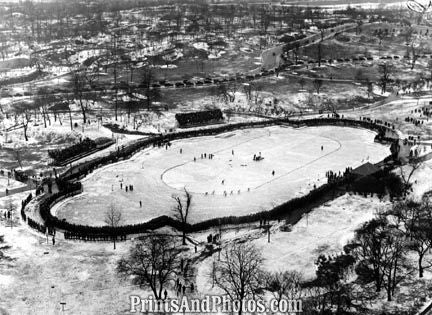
(116, 105)
(70, 118)
(44, 119)
(420, 266)
(389, 285)
(377, 281)
(83, 111)
(25, 133)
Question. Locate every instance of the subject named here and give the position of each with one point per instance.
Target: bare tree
(395, 251)
(25, 119)
(310, 100)
(331, 106)
(113, 217)
(369, 88)
(239, 272)
(37, 61)
(369, 250)
(79, 82)
(385, 70)
(151, 262)
(411, 167)
(18, 154)
(414, 219)
(228, 91)
(421, 236)
(317, 83)
(253, 93)
(182, 210)
(429, 67)
(381, 251)
(149, 92)
(380, 35)
(296, 52)
(285, 284)
(302, 82)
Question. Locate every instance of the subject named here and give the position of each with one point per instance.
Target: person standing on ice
(273, 173)
(232, 152)
(322, 147)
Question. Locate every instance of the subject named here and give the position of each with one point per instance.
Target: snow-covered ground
(325, 230)
(9, 183)
(156, 174)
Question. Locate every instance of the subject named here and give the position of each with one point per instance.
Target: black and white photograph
(226, 157)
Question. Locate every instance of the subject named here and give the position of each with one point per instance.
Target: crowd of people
(258, 157)
(200, 117)
(334, 176)
(60, 155)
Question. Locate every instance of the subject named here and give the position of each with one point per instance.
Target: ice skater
(273, 173)
(140, 204)
(223, 182)
(181, 150)
(322, 148)
(232, 152)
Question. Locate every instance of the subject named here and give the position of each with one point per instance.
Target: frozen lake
(157, 174)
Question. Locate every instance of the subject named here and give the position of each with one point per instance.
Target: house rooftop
(366, 169)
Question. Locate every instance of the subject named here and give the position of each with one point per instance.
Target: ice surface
(156, 174)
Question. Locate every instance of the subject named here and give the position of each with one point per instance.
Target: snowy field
(10, 183)
(156, 174)
(326, 230)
